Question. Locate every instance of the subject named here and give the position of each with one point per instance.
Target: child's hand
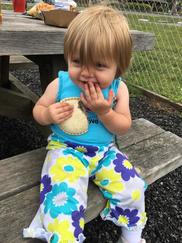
(59, 112)
(94, 99)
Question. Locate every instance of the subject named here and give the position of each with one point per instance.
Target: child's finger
(65, 116)
(98, 91)
(110, 97)
(86, 91)
(93, 92)
(82, 97)
(65, 107)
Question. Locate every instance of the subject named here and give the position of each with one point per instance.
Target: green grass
(159, 70)
(6, 6)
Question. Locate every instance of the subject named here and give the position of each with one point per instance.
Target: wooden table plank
(140, 130)
(21, 172)
(21, 35)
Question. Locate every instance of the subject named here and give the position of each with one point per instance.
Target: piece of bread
(77, 124)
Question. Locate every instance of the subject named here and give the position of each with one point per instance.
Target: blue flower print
(106, 194)
(54, 238)
(78, 221)
(77, 154)
(86, 149)
(108, 157)
(125, 217)
(109, 196)
(45, 187)
(123, 166)
(60, 200)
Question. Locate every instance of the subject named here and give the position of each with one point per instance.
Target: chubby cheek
(104, 81)
(72, 74)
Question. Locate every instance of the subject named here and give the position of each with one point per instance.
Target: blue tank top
(97, 134)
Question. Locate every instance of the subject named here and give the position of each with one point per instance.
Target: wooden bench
(154, 151)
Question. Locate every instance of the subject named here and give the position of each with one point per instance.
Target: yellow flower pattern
(81, 149)
(62, 229)
(123, 220)
(113, 182)
(93, 163)
(55, 145)
(41, 187)
(136, 195)
(67, 168)
(127, 164)
(82, 223)
(143, 218)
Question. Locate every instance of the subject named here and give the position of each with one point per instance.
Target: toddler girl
(98, 49)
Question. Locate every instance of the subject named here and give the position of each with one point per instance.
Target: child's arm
(46, 111)
(117, 121)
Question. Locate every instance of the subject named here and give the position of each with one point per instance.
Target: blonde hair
(99, 33)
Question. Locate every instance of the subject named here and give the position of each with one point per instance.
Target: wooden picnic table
(21, 35)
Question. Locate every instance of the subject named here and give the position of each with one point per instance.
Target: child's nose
(86, 72)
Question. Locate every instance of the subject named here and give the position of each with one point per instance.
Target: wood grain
(20, 35)
(21, 172)
(140, 130)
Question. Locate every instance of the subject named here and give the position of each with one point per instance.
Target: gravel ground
(163, 198)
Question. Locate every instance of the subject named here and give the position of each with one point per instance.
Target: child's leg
(63, 198)
(124, 189)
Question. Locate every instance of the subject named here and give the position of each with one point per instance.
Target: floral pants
(63, 191)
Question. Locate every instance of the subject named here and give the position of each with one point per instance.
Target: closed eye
(101, 65)
(76, 61)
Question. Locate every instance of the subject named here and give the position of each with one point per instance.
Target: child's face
(100, 73)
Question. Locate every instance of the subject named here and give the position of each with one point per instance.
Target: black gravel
(163, 198)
